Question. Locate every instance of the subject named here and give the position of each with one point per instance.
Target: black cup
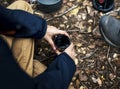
(103, 5)
(61, 42)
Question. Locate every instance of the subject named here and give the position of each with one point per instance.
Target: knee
(21, 5)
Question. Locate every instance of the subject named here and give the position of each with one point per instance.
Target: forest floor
(98, 63)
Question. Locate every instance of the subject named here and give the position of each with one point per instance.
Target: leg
(38, 68)
(23, 49)
(22, 5)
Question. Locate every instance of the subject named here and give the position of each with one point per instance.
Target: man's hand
(51, 31)
(71, 51)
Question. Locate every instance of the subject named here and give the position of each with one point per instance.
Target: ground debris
(98, 66)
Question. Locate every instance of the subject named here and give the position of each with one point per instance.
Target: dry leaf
(112, 76)
(99, 81)
(91, 46)
(81, 87)
(74, 12)
(94, 79)
(83, 77)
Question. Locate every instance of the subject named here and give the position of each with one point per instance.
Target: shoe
(110, 30)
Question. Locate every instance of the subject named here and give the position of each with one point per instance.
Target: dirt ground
(98, 63)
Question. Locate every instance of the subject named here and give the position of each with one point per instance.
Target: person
(18, 29)
(110, 28)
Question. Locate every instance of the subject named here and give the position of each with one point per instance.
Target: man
(19, 29)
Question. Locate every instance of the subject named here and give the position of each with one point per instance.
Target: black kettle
(103, 5)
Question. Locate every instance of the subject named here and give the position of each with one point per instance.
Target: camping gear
(48, 6)
(103, 5)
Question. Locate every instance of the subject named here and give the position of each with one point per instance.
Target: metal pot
(48, 6)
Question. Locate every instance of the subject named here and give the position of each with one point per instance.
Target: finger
(63, 32)
(57, 52)
(66, 34)
(52, 44)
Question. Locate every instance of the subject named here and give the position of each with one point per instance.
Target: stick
(88, 56)
(109, 60)
(70, 9)
(73, 30)
(78, 31)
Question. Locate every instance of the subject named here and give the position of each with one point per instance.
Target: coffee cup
(61, 42)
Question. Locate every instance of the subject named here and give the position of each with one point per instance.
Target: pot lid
(48, 2)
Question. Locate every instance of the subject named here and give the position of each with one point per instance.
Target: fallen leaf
(74, 12)
(112, 76)
(94, 79)
(81, 87)
(83, 77)
(99, 82)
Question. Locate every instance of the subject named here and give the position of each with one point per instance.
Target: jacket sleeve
(58, 75)
(25, 24)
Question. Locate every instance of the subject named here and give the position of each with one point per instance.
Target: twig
(108, 52)
(109, 60)
(84, 85)
(88, 56)
(70, 9)
(78, 31)
(73, 30)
